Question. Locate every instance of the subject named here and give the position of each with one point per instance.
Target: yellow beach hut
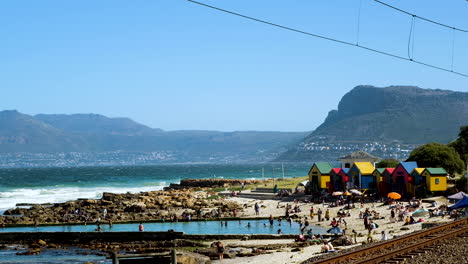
(319, 175)
(436, 179)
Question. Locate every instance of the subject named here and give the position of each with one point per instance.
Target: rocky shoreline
(170, 205)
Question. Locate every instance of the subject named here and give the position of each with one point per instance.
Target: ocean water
(52, 185)
(51, 256)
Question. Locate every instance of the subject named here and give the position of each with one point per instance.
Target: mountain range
(387, 121)
(97, 133)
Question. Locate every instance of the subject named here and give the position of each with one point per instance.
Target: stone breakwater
(171, 205)
(202, 183)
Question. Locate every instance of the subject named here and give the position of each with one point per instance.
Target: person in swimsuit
(220, 249)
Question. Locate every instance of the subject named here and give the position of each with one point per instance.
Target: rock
(135, 208)
(229, 254)
(210, 252)
(404, 228)
(295, 250)
(35, 251)
(41, 242)
(190, 258)
(111, 196)
(15, 211)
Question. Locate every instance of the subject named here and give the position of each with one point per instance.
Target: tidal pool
(193, 227)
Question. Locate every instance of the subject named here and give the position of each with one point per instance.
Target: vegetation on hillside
(461, 144)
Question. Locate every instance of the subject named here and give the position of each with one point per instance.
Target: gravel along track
(450, 251)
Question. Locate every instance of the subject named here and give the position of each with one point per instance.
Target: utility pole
(282, 168)
(273, 169)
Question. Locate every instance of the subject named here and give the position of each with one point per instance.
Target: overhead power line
(328, 38)
(422, 18)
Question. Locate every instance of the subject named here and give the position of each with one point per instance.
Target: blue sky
(174, 65)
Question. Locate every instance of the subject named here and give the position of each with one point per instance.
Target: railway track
(401, 248)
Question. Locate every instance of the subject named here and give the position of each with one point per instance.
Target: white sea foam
(10, 198)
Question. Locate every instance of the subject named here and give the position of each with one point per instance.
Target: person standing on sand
(275, 189)
(384, 235)
(257, 209)
(366, 222)
(327, 214)
(354, 236)
(220, 249)
(319, 215)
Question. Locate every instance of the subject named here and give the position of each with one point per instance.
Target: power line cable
(422, 18)
(453, 47)
(327, 38)
(410, 38)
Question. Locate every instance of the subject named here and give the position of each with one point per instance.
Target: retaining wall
(86, 237)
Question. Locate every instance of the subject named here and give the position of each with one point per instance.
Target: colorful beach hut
(378, 176)
(436, 179)
(361, 176)
(338, 179)
(401, 178)
(384, 186)
(419, 184)
(319, 175)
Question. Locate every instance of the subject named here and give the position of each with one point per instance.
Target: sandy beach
(290, 255)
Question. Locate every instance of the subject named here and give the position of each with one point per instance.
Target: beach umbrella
(420, 212)
(458, 196)
(356, 192)
(337, 193)
(394, 195)
(347, 193)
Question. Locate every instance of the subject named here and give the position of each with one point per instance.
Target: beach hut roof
(409, 166)
(345, 170)
(336, 170)
(390, 170)
(436, 171)
(365, 167)
(380, 170)
(419, 170)
(360, 155)
(323, 167)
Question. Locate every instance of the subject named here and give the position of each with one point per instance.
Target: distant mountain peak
(96, 124)
(406, 113)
